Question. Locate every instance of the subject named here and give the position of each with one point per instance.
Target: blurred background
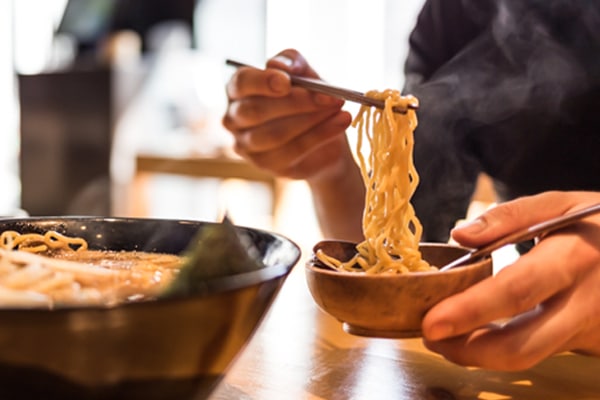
(113, 107)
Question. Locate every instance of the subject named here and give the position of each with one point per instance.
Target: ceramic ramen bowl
(388, 306)
(176, 348)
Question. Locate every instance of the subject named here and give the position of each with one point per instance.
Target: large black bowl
(166, 349)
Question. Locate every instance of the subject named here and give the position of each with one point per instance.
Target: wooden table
(301, 353)
(219, 166)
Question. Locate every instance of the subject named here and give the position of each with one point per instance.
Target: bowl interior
(276, 252)
(386, 305)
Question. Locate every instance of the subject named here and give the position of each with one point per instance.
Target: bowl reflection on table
(164, 349)
(388, 305)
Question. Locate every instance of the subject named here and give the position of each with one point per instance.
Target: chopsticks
(317, 85)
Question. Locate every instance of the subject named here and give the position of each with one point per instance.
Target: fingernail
(441, 330)
(342, 119)
(288, 62)
(475, 226)
(277, 83)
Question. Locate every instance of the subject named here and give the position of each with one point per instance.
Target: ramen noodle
(37, 243)
(50, 270)
(391, 229)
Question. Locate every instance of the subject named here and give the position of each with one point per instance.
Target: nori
(217, 250)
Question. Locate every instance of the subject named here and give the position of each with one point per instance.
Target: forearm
(339, 202)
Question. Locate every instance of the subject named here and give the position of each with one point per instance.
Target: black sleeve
(447, 173)
(443, 28)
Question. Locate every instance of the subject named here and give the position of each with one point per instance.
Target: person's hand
(283, 129)
(546, 302)
(298, 134)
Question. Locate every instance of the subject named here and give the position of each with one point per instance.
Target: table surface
(219, 166)
(299, 352)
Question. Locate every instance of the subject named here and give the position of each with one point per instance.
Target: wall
(9, 200)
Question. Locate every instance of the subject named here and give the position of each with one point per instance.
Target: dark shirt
(510, 88)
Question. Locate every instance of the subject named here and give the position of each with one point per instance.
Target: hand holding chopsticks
(317, 85)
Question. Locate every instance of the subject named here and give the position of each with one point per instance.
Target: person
(506, 88)
(546, 302)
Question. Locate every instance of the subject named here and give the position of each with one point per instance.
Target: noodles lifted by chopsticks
(391, 229)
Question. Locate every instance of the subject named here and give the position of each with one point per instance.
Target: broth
(62, 276)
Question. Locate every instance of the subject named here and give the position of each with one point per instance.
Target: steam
(512, 98)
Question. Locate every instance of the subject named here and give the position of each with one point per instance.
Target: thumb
(511, 216)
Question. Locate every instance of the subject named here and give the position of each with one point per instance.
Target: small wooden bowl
(388, 306)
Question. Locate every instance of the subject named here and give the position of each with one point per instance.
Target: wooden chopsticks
(317, 85)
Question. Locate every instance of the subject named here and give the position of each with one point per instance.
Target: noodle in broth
(52, 269)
